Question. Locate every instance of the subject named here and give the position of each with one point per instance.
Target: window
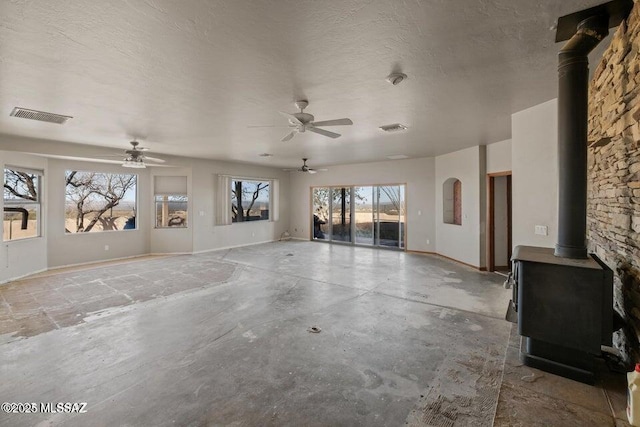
(96, 201)
(171, 211)
(21, 204)
(452, 201)
(249, 200)
(171, 200)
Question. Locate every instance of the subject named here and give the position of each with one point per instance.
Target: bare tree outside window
(99, 201)
(249, 200)
(21, 216)
(20, 185)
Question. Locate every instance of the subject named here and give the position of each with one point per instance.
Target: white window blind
(170, 185)
(223, 200)
(275, 200)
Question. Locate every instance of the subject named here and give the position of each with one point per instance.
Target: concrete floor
(224, 338)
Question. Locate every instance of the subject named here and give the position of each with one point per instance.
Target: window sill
(26, 239)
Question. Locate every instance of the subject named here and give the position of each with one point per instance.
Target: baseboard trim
(13, 279)
(410, 251)
(234, 246)
(475, 267)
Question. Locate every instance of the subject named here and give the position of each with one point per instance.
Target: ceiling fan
(302, 122)
(135, 157)
(306, 169)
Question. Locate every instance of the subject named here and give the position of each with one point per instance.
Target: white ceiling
(189, 76)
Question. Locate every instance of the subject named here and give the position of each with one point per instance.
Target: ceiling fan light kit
(133, 163)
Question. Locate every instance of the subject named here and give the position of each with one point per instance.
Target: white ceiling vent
(396, 127)
(40, 116)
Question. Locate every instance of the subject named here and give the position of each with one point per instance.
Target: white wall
(21, 257)
(417, 174)
(463, 242)
(534, 133)
(499, 156)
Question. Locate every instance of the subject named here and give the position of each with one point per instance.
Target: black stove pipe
(573, 90)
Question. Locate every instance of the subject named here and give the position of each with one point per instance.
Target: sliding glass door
(341, 214)
(321, 208)
(391, 215)
(362, 215)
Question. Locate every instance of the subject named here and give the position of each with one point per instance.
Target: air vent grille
(40, 116)
(396, 127)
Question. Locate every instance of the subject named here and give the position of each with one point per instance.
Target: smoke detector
(396, 127)
(396, 78)
(40, 116)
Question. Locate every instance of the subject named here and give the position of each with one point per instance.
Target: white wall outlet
(541, 230)
(253, 234)
(201, 213)
(419, 213)
(106, 247)
(428, 241)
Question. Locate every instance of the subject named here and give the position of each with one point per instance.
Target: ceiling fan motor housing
(303, 117)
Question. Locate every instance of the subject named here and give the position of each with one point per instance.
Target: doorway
(499, 221)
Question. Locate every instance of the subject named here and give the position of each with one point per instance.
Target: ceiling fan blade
(323, 132)
(291, 118)
(336, 122)
(289, 136)
(268, 126)
(312, 171)
(321, 170)
(153, 159)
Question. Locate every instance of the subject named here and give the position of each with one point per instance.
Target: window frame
(270, 203)
(155, 210)
(25, 203)
(135, 208)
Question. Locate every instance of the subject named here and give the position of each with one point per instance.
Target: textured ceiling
(189, 76)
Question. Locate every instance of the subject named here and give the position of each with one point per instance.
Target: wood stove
(565, 311)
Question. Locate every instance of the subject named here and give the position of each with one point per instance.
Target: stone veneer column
(613, 223)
